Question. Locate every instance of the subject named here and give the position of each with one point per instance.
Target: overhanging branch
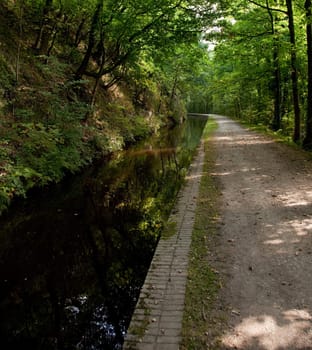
(268, 7)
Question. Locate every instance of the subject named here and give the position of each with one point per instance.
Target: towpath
(262, 251)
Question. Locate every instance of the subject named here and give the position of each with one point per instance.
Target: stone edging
(157, 321)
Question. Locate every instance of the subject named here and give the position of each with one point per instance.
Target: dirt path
(264, 248)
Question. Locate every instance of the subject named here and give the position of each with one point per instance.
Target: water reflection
(72, 259)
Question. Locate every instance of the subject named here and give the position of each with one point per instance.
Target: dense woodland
(261, 68)
(81, 79)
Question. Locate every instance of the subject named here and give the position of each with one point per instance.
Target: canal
(74, 257)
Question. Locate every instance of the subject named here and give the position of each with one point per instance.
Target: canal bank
(78, 253)
(157, 321)
(263, 298)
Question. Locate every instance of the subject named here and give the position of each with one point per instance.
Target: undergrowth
(56, 118)
(48, 125)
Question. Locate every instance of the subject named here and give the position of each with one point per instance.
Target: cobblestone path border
(157, 321)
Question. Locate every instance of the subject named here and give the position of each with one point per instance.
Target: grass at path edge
(203, 282)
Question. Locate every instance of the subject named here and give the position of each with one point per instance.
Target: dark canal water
(73, 258)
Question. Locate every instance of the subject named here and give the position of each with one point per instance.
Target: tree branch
(268, 8)
(249, 36)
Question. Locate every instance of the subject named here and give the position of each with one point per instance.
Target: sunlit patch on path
(293, 330)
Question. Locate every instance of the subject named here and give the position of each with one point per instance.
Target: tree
(277, 118)
(294, 72)
(91, 40)
(276, 36)
(120, 31)
(307, 142)
(249, 63)
(42, 41)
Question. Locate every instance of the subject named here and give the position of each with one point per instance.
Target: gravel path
(264, 248)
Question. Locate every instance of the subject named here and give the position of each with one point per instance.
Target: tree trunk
(20, 34)
(277, 118)
(78, 32)
(173, 89)
(43, 37)
(294, 72)
(54, 31)
(307, 142)
(91, 42)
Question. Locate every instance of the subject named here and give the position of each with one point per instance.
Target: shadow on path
(264, 250)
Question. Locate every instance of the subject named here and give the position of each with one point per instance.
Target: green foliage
(7, 78)
(252, 62)
(42, 151)
(140, 72)
(131, 128)
(40, 159)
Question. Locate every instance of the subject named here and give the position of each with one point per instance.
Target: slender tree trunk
(276, 124)
(173, 89)
(277, 118)
(91, 42)
(307, 142)
(43, 37)
(237, 107)
(78, 32)
(294, 72)
(55, 30)
(97, 82)
(20, 34)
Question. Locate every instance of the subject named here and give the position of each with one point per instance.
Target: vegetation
(82, 79)
(262, 65)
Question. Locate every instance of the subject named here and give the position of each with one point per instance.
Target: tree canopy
(81, 79)
(262, 65)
